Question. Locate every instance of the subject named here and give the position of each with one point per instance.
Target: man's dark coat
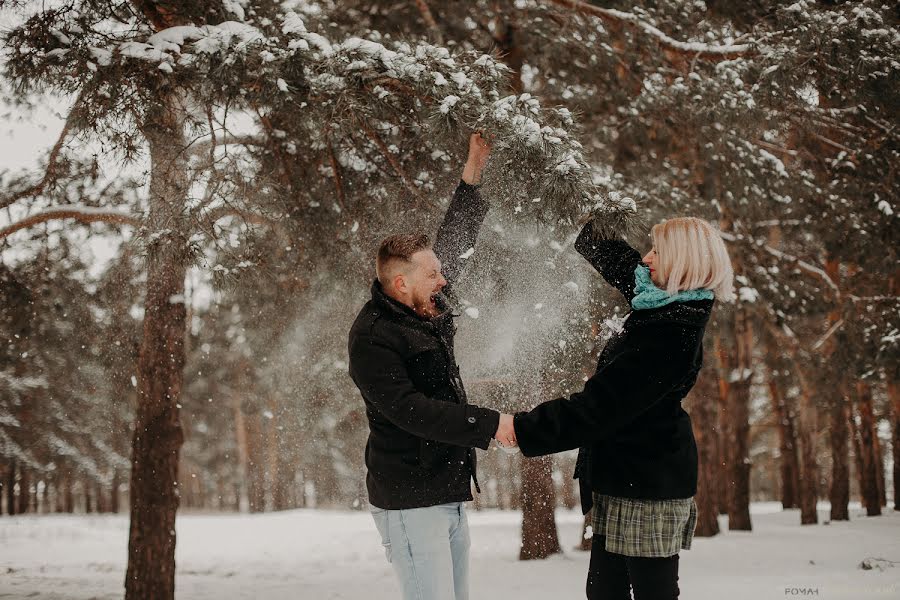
(422, 431)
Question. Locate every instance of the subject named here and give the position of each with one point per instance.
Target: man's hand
(506, 433)
(479, 150)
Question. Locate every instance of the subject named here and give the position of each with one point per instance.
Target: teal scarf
(647, 295)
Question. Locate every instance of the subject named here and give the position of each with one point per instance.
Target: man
(422, 432)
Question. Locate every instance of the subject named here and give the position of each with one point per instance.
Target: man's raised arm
(465, 214)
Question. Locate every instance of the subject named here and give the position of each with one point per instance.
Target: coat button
(471, 419)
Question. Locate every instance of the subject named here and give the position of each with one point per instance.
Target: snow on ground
(310, 554)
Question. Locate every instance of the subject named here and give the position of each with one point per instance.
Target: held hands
(506, 434)
(479, 150)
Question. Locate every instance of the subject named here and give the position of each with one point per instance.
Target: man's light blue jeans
(429, 550)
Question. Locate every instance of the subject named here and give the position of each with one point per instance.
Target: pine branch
(795, 260)
(221, 212)
(52, 164)
(774, 148)
(249, 216)
(398, 168)
(616, 218)
(804, 266)
(836, 146)
(399, 86)
(694, 49)
(206, 146)
(873, 298)
(82, 214)
(276, 147)
(215, 182)
(828, 334)
(779, 223)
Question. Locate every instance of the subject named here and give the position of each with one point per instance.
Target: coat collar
(693, 312)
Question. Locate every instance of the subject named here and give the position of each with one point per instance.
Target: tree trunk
(88, 504)
(894, 396)
(256, 463)
(158, 436)
(839, 494)
(869, 489)
(10, 488)
(809, 467)
(45, 497)
(787, 441)
(69, 494)
(893, 391)
(114, 493)
(879, 467)
(282, 496)
(59, 498)
(24, 492)
(735, 369)
(723, 443)
(102, 499)
(239, 495)
(703, 409)
(508, 497)
(569, 496)
(840, 458)
(857, 452)
(272, 455)
(506, 36)
(587, 541)
(539, 536)
(243, 459)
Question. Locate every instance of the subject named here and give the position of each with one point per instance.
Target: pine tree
(147, 77)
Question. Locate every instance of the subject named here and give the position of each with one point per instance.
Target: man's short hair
(395, 250)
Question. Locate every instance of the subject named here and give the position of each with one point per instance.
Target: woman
(637, 465)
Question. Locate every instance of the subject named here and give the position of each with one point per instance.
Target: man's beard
(431, 306)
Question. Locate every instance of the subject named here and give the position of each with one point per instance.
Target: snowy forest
(181, 264)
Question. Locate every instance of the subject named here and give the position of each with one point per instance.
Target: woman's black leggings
(610, 575)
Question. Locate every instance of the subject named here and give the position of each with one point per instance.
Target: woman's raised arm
(614, 259)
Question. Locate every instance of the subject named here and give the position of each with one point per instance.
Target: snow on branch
(82, 214)
(801, 264)
(215, 214)
(395, 165)
(538, 165)
(84, 463)
(166, 45)
(10, 448)
(618, 17)
(537, 162)
(831, 331)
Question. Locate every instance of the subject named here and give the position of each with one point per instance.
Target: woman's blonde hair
(690, 255)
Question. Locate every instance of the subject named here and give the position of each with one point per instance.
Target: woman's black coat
(636, 440)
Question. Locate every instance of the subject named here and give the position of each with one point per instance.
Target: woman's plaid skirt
(644, 527)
